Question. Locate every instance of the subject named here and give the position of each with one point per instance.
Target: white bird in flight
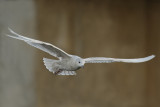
(68, 64)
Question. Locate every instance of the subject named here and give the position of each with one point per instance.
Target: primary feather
(47, 47)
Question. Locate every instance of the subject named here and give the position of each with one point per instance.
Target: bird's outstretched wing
(110, 60)
(47, 47)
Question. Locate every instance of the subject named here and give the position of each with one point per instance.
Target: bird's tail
(50, 64)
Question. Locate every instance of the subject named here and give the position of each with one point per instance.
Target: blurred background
(88, 28)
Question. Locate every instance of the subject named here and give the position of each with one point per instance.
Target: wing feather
(46, 47)
(110, 60)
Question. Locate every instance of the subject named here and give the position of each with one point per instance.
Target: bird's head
(79, 61)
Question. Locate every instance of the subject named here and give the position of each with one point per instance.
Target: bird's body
(68, 64)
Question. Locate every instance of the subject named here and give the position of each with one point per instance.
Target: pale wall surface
(16, 58)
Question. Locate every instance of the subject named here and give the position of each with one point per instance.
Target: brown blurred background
(88, 28)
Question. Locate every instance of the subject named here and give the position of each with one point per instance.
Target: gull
(67, 63)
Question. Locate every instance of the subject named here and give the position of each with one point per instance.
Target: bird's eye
(79, 62)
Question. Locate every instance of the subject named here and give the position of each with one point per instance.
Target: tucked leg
(57, 72)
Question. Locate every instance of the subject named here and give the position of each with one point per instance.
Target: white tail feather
(49, 64)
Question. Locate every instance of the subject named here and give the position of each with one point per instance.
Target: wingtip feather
(150, 57)
(15, 37)
(147, 58)
(9, 29)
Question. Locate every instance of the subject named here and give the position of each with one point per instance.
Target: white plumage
(68, 64)
(110, 60)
